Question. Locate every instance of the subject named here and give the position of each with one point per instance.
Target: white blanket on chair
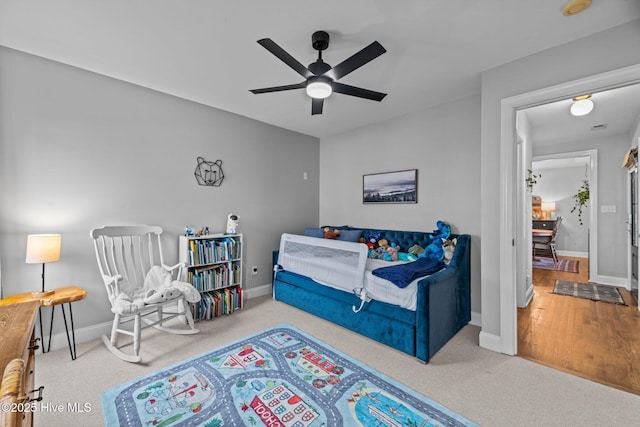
(158, 287)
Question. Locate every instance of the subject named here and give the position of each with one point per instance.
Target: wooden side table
(61, 296)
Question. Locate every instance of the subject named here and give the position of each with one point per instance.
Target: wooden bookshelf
(214, 267)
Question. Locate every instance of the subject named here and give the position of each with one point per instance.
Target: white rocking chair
(125, 256)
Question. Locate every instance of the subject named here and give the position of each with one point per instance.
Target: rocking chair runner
(126, 255)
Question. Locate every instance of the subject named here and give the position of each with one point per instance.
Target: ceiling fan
(321, 78)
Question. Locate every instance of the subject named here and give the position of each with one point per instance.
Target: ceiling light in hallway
(582, 105)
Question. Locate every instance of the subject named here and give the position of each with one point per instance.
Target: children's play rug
(279, 377)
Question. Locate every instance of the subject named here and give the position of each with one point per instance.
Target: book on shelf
(214, 268)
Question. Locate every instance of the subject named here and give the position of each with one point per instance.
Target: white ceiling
(206, 50)
(615, 112)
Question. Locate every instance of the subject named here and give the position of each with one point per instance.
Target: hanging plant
(531, 178)
(581, 198)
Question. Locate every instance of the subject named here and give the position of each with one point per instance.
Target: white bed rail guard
(335, 263)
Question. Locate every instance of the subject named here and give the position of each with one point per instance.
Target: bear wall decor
(209, 173)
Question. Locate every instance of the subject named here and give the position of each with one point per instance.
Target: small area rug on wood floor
(279, 377)
(568, 265)
(590, 291)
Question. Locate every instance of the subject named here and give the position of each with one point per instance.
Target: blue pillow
(314, 232)
(350, 235)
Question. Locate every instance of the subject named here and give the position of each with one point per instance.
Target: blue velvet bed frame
(443, 306)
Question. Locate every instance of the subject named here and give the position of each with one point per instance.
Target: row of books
(214, 277)
(216, 303)
(209, 251)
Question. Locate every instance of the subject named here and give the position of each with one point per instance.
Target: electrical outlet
(254, 270)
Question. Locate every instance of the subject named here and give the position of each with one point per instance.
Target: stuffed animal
(443, 231)
(449, 246)
(416, 250)
(371, 239)
(392, 253)
(378, 253)
(438, 237)
(407, 257)
(383, 243)
(434, 250)
(330, 234)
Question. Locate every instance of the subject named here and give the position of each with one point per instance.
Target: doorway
(509, 212)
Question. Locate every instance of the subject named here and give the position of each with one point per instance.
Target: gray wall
(442, 143)
(551, 67)
(79, 150)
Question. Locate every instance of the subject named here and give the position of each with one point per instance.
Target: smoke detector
(575, 6)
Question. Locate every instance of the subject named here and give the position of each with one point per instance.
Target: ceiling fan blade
(357, 60)
(279, 88)
(316, 105)
(357, 91)
(279, 52)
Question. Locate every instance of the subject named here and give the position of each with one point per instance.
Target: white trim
(620, 282)
(476, 319)
(528, 297)
(490, 341)
(574, 254)
(507, 341)
(88, 333)
(92, 332)
(257, 291)
(508, 318)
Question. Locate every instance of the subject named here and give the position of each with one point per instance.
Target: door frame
(509, 210)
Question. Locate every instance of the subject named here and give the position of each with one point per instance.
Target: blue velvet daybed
(443, 304)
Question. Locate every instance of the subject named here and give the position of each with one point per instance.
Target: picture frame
(390, 187)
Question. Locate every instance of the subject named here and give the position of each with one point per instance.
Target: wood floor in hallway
(595, 340)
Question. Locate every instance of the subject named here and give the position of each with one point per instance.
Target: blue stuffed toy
(438, 236)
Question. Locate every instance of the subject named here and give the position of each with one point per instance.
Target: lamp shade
(548, 206)
(43, 248)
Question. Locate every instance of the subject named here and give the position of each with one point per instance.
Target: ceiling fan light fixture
(582, 105)
(319, 88)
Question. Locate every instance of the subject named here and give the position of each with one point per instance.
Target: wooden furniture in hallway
(593, 340)
(544, 238)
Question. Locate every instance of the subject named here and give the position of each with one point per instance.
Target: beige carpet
(489, 388)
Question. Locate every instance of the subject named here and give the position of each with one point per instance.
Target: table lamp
(43, 248)
(547, 208)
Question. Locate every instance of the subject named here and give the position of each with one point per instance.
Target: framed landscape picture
(390, 187)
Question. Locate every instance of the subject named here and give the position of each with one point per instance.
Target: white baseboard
(621, 282)
(490, 342)
(89, 333)
(85, 334)
(476, 319)
(575, 254)
(258, 291)
(529, 296)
